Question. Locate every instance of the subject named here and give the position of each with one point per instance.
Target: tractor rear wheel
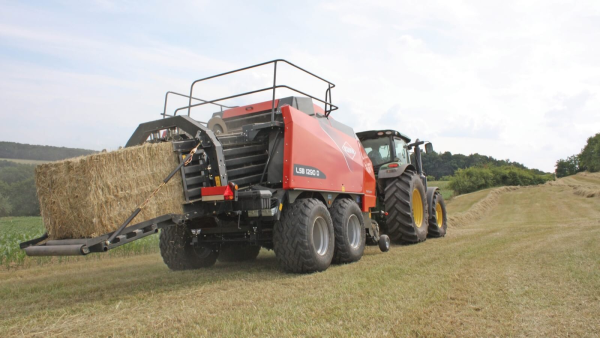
(239, 253)
(406, 205)
(438, 222)
(349, 229)
(178, 253)
(304, 239)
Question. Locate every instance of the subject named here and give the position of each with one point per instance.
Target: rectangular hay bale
(92, 195)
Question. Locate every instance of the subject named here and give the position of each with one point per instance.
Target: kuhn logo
(349, 150)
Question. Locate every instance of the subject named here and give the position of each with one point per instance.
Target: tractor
(407, 210)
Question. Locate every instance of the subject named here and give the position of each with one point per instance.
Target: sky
(516, 80)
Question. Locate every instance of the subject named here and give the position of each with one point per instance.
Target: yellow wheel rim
(439, 215)
(417, 207)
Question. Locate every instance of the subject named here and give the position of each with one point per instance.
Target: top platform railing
(328, 106)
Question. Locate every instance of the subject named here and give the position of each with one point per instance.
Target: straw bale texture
(91, 195)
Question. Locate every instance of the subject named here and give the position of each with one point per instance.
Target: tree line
(587, 160)
(17, 190)
(442, 166)
(22, 151)
(18, 195)
(468, 173)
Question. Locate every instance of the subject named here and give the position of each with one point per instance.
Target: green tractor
(408, 211)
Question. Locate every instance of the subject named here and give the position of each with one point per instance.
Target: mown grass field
(529, 268)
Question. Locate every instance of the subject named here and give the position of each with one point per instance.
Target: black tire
(178, 254)
(239, 253)
(384, 243)
(406, 222)
(438, 222)
(294, 237)
(349, 229)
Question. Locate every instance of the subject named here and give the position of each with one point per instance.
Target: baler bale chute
(281, 174)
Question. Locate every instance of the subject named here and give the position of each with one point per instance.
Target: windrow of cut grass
(470, 208)
(583, 184)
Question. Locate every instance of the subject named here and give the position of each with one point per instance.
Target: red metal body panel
(249, 109)
(211, 191)
(318, 109)
(317, 156)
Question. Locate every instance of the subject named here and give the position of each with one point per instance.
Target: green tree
(589, 158)
(23, 197)
(567, 167)
(5, 206)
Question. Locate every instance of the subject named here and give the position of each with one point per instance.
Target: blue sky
(510, 79)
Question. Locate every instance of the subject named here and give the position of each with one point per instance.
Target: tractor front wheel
(304, 239)
(438, 222)
(406, 205)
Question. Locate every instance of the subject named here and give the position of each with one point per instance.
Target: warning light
(228, 194)
(393, 165)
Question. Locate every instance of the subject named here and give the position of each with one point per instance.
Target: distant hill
(13, 150)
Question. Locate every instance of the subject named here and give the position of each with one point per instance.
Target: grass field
(24, 161)
(529, 268)
(447, 193)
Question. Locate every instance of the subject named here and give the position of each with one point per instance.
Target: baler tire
(294, 243)
(348, 222)
(178, 254)
(239, 253)
(437, 226)
(217, 125)
(403, 216)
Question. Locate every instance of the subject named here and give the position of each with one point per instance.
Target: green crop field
(14, 230)
(528, 267)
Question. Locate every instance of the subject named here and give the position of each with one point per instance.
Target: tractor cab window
(378, 150)
(401, 151)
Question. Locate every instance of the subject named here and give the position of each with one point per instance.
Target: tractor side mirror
(429, 148)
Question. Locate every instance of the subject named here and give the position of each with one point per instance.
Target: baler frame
(328, 105)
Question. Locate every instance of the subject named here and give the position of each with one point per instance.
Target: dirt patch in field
(479, 209)
(92, 195)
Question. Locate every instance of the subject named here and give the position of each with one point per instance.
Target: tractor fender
(385, 174)
(430, 193)
(394, 172)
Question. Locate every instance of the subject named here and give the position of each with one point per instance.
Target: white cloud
(516, 80)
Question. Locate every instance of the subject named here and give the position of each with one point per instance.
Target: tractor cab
(385, 148)
(389, 149)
